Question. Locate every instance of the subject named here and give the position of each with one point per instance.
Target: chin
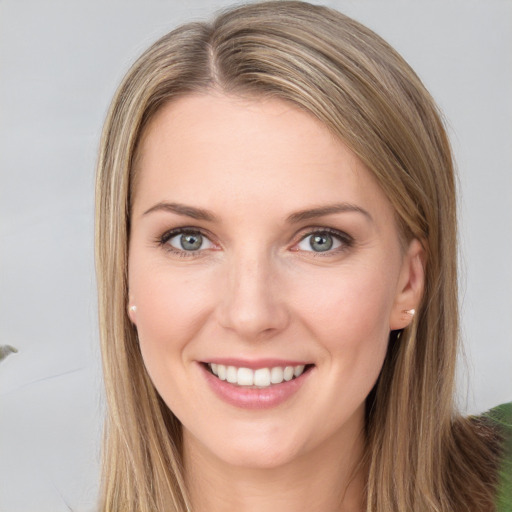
(260, 456)
(262, 449)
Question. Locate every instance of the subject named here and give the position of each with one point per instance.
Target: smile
(258, 384)
(260, 378)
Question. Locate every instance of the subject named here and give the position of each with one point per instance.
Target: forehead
(220, 149)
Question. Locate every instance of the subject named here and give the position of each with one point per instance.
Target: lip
(253, 398)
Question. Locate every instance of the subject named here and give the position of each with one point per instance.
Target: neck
(329, 478)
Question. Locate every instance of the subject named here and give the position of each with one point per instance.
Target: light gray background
(60, 62)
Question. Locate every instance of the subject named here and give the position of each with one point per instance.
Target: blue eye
(321, 241)
(189, 241)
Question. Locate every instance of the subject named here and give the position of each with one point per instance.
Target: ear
(411, 283)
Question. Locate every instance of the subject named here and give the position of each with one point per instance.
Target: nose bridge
(251, 303)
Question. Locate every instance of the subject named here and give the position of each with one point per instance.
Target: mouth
(260, 378)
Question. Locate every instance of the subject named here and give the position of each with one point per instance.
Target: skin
(257, 289)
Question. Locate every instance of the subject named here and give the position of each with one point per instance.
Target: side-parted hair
(420, 454)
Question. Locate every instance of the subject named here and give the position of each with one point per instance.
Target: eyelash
(168, 235)
(346, 241)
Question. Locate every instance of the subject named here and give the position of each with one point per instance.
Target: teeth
(288, 373)
(245, 377)
(231, 374)
(298, 370)
(261, 378)
(276, 375)
(221, 372)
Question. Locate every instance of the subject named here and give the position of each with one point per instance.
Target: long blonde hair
(420, 454)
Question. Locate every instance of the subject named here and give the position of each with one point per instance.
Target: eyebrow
(313, 213)
(302, 215)
(181, 209)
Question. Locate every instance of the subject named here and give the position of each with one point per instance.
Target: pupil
(191, 242)
(321, 243)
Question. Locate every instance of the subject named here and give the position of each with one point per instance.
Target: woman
(277, 269)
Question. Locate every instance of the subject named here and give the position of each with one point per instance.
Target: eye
(323, 241)
(188, 241)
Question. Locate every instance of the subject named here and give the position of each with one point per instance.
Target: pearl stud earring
(132, 309)
(410, 312)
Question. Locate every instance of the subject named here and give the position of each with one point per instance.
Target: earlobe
(132, 310)
(410, 286)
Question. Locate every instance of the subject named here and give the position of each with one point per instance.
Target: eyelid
(163, 240)
(346, 240)
(343, 237)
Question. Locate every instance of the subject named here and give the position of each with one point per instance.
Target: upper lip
(255, 364)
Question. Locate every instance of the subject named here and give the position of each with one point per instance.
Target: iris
(321, 242)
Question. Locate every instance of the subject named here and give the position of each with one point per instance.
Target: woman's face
(263, 251)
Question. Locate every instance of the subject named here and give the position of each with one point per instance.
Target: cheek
(347, 313)
(349, 307)
(171, 311)
(171, 307)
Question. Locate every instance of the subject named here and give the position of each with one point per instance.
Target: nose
(252, 304)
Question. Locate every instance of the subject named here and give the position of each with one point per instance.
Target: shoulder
(501, 419)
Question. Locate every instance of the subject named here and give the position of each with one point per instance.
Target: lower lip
(253, 398)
